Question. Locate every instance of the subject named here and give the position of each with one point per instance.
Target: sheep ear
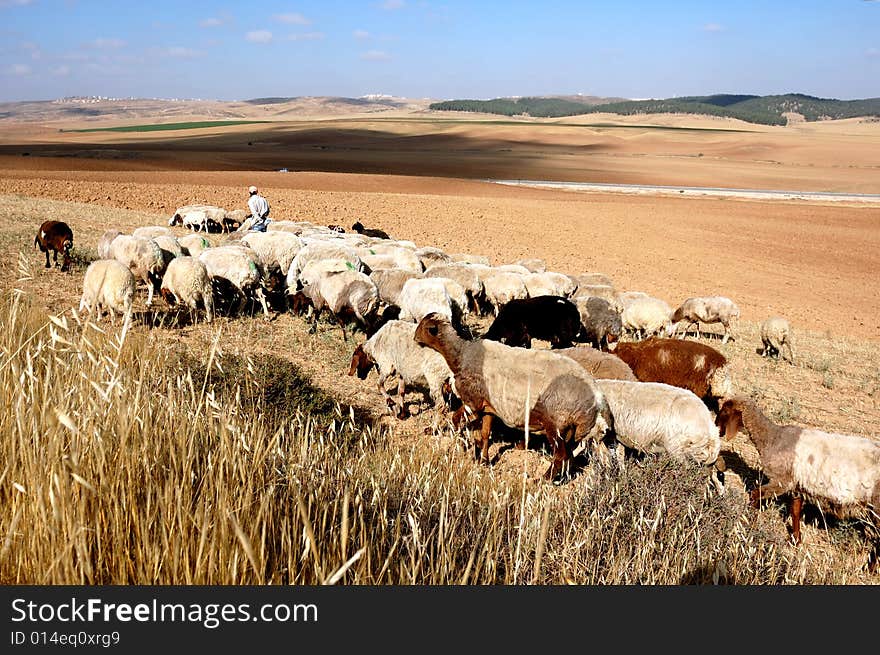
(730, 420)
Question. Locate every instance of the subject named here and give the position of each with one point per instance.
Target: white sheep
(776, 337)
(346, 293)
(604, 291)
(513, 268)
(499, 286)
(394, 352)
(520, 387)
(143, 257)
(705, 309)
(194, 244)
(461, 302)
(203, 216)
(838, 472)
(170, 247)
(534, 264)
(313, 250)
(186, 280)
(294, 227)
(104, 242)
(467, 258)
(657, 418)
(466, 276)
(586, 279)
(389, 256)
(240, 267)
(549, 283)
(151, 231)
(431, 256)
(276, 249)
(648, 316)
(196, 220)
(108, 285)
(390, 283)
(422, 296)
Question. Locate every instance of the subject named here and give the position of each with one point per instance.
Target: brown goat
(55, 237)
(687, 364)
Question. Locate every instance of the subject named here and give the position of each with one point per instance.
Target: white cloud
(391, 5)
(292, 19)
(872, 52)
(361, 34)
(61, 71)
(107, 43)
(179, 52)
(713, 27)
(19, 69)
(75, 56)
(211, 22)
(14, 3)
(306, 36)
(259, 36)
(375, 55)
(32, 48)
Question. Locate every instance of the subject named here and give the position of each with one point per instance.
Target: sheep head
(65, 250)
(729, 418)
(430, 329)
(361, 363)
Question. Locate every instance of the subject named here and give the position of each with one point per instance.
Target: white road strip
(646, 189)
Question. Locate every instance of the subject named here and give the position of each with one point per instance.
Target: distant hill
(766, 110)
(102, 109)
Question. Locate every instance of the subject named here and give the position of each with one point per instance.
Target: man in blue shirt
(259, 207)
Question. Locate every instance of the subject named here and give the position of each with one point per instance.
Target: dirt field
(814, 263)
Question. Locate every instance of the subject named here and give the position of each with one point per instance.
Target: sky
(434, 49)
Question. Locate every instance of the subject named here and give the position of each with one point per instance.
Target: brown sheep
(55, 236)
(687, 364)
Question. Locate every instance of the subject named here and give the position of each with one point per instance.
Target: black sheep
(369, 231)
(550, 318)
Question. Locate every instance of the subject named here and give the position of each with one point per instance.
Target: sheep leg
(47, 258)
(261, 296)
(401, 391)
(561, 454)
(787, 347)
(380, 384)
(481, 447)
(766, 491)
(795, 505)
(149, 291)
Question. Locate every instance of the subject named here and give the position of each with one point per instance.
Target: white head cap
(252, 189)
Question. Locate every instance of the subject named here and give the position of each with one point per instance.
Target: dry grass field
(242, 452)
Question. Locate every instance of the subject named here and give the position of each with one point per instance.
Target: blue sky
(436, 49)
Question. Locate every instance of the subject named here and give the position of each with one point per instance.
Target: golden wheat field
(169, 451)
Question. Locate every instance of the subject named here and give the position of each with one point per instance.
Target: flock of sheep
(619, 371)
